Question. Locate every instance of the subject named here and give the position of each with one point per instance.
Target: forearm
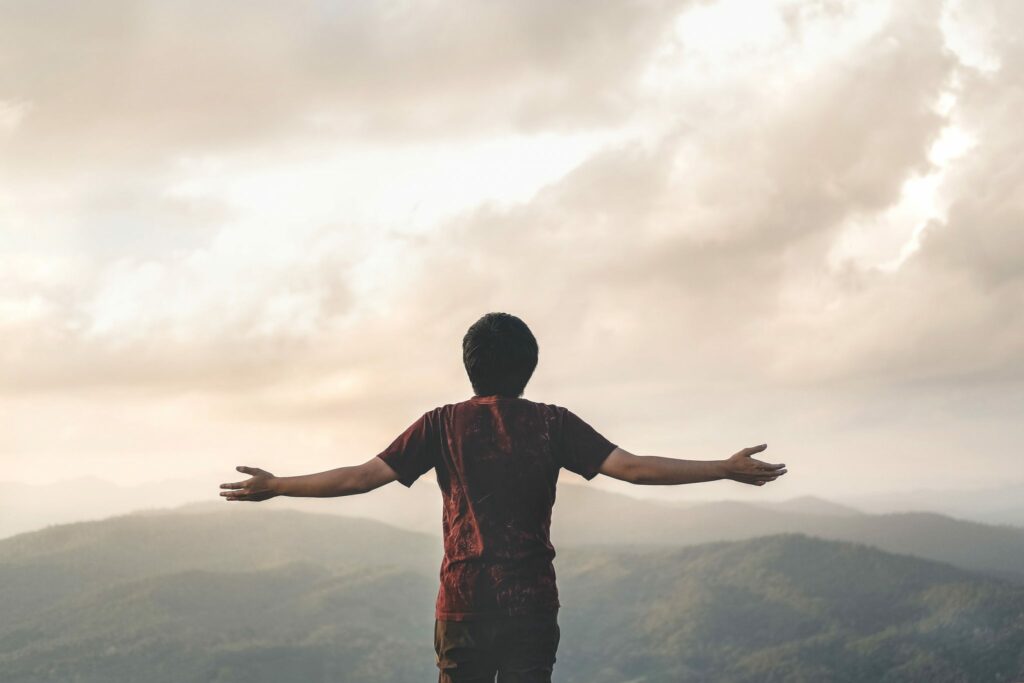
(343, 481)
(655, 470)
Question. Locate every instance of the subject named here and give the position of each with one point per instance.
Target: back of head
(500, 354)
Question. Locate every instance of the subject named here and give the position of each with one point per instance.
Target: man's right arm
(655, 470)
(342, 481)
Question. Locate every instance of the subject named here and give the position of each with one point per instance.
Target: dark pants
(519, 649)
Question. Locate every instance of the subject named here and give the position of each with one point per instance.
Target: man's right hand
(743, 468)
(259, 487)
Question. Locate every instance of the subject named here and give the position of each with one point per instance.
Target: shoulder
(445, 410)
(553, 413)
(440, 410)
(431, 416)
(550, 407)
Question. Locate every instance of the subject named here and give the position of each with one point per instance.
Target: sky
(255, 232)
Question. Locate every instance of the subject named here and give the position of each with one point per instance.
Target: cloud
(133, 83)
(725, 214)
(294, 212)
(699, 254)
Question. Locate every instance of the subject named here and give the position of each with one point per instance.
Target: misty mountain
(587, 516)
(248, 594)
(993, 505)
(42, 568)
(29, 507)
(810, 505)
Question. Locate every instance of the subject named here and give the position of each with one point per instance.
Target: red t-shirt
(497, 460)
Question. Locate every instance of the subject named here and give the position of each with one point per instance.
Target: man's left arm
(342, 481)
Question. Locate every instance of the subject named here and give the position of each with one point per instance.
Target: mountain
(29, 507)
(812, 505)
(297, 622)
(42, 568)
(785, 608)
(588, 516)
(258, 595)
(585, 514)
(993, 505)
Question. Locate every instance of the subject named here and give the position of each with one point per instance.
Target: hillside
(277, 596)
(589, 516)
(585, 515)
(786, 608)
(42, 568)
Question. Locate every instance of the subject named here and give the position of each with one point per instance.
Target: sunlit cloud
(712, 206)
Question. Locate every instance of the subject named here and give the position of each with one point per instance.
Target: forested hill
(589, 516)
(279, 596)
(788, 608)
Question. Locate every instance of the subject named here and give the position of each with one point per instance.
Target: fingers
(242, 490)
(759, 478)
(767, 466)
(241, 484)
(754, 449)
(764, 474)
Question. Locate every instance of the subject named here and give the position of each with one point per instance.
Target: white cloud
(789, 198)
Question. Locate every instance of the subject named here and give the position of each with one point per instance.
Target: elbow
(640, 479)
(359, 486)
(647, 470)
(635, 472)
(362, 482)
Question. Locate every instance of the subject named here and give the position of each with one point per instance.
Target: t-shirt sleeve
(414, 451)
(581, 448)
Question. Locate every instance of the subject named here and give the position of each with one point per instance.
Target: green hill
(786, 608)
(44, 567)
(587, 516)
(294, 623)
(277, 596)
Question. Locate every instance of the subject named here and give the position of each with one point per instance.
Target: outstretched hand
(258, 487)
(743, 468)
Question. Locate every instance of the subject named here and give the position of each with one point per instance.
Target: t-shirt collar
(491, 398)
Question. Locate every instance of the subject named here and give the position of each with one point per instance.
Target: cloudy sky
(255, 232)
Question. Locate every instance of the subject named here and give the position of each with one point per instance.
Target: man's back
(497, 460)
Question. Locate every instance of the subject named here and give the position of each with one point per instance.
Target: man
(497, 458)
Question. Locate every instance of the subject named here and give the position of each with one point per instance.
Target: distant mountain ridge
(587, 515)
(28, 507)
(272, 596)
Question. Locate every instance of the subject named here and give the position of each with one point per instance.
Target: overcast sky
(255, 232)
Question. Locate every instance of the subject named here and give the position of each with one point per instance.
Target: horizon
(22, 512)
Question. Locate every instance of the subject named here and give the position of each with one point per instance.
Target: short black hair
(500, 355)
